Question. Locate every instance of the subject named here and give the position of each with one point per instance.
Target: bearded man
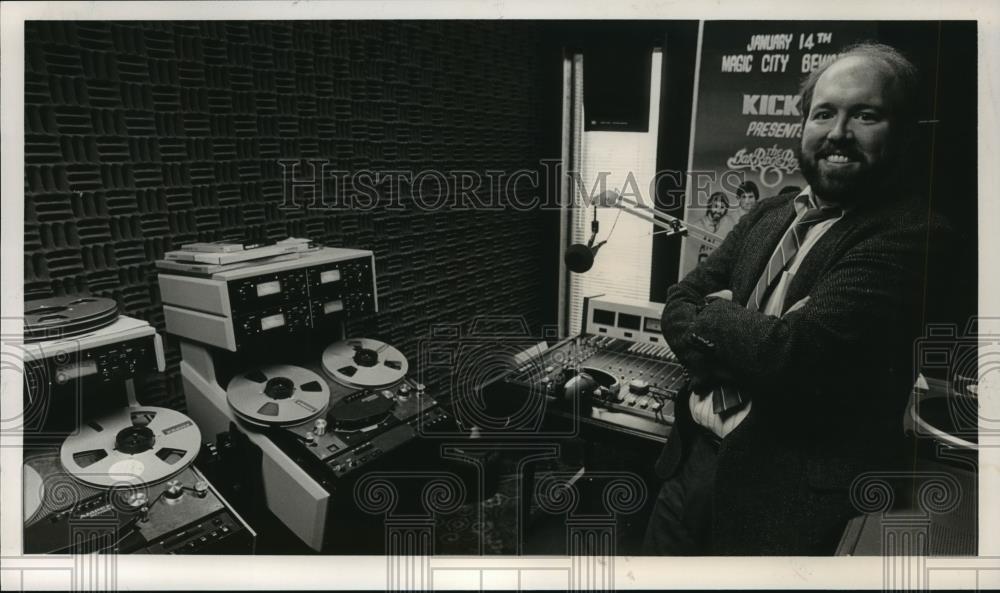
(798, 332)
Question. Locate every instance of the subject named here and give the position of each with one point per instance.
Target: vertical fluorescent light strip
(575, 164)
(568, 136)
(622, 267)
(689, 196)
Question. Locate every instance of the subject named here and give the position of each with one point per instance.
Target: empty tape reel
(131, 446)
(66, 316)
(364, 363)
(279, 395)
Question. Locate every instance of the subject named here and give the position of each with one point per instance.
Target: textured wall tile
(142, 136)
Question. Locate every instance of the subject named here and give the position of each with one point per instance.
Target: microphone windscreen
(579, 258)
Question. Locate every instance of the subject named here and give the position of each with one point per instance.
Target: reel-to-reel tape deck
(78, 510)
(358, 407)
(264, 353)
(103, 473)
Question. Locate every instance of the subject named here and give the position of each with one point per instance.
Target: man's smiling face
(846, 140)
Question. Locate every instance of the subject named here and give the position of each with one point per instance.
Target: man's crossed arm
(846, 313)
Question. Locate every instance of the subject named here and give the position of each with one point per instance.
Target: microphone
(579, 258)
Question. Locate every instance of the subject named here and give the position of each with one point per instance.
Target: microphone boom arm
(671, 224)
(579, 257)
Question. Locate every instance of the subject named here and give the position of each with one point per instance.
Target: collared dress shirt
(773, 305)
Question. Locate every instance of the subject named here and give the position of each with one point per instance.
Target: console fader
(619, 373)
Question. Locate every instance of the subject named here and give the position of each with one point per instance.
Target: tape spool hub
(279, 388)
(133, 440)
(364, 363)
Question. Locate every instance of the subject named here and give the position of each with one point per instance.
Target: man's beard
(848, 187)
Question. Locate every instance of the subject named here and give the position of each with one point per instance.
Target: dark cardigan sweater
(829, 381)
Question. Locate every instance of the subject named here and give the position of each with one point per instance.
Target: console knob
(638, 387)
(404, 389)
(420, 389)
(319, 428)
(201, 488)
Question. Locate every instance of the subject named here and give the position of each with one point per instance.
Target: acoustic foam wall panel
(142, 136)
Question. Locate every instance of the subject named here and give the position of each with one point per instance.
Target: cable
(613, 225)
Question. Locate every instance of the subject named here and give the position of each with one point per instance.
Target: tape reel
(278, 395)
(131, 446)
(364, 363)
(65, 316)
(34, 492)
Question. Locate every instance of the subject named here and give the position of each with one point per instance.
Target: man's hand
(726, 295)
(702, 409)
(798, 305)
(701, 406)
(721, 424)
(706, 373)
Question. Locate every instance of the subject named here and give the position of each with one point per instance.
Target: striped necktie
(729, 398)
